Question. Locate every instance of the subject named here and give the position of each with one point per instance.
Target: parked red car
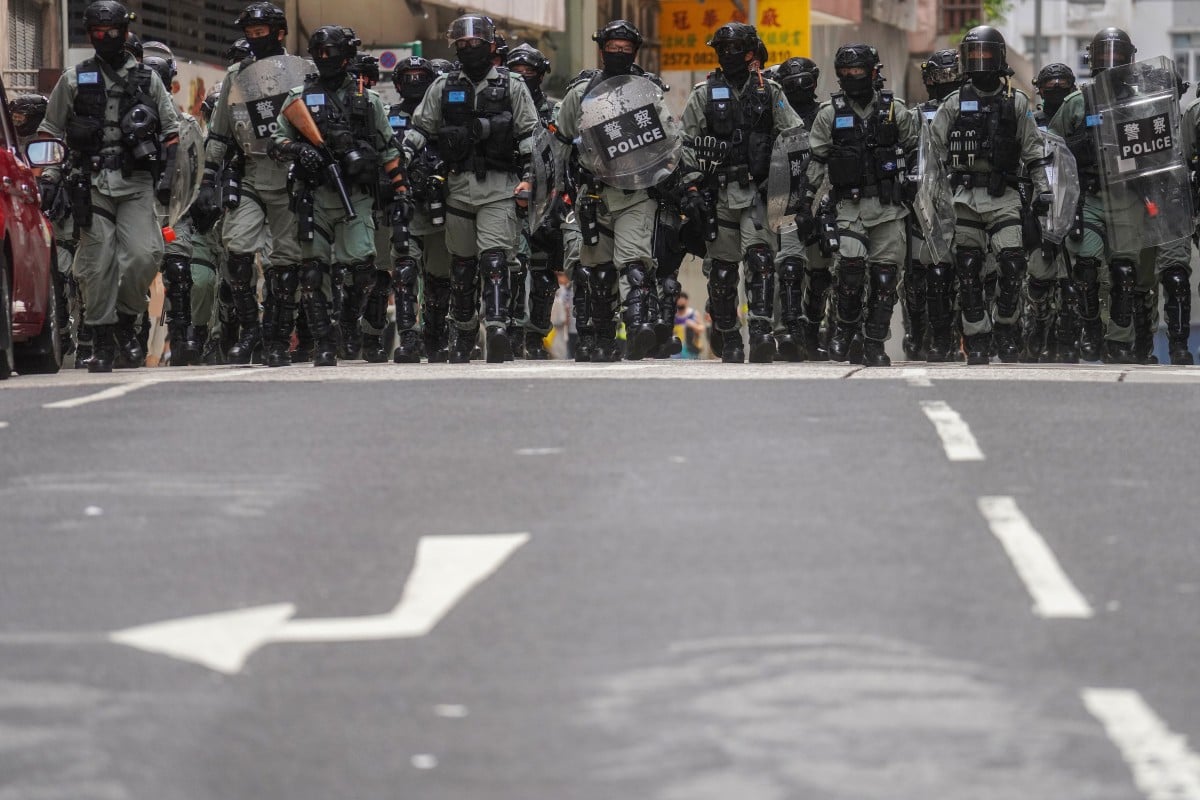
(29, 340)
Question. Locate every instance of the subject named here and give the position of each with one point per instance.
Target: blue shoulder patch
(315, 99)
(1092, 120)
(720, 93)
(843, 122)
(89, 77)
(457, 97)
(969, 105)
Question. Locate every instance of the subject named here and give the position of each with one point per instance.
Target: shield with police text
(786, 183)
(1063, 177)
(627, 137)
(549, 165)
(934, 203)
(1133, 113)
(189, 169)
(256, 96)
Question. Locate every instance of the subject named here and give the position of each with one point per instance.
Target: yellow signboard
(685, 26)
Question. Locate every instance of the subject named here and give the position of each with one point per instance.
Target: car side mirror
(45, 152)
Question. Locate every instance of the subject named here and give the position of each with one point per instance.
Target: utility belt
(855, 193)
(996, 183)
(734, 173)
(103, 161)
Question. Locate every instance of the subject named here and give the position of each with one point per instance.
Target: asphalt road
(691, 581)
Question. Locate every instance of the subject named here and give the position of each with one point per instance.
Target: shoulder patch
(88, 77)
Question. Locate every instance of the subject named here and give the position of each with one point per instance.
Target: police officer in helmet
(118, 150)
(1053, 83)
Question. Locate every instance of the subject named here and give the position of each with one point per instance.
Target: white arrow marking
(445, 570)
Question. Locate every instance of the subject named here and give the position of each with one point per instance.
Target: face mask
(476, 59)
(617, 63)
(534, 84)
(265, 46)
(1052, 99)
(331, 68)
(940, 91)
(414, 92)
(860, 89)
(111, 48)
(734, 66)
(986, 81)
(801, 98)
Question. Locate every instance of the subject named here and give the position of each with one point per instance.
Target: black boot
(84, 352)
(104, 349)
(762, 342)
(878, 323)
(667, 344)
(939, 293)
(130, 354)
(356, 279)
(1006, 335)
(1006, 342)
(852, 277)
(245, 306)
(543, 285)
(1066, 324)
(968, 266)
(494, 269)
(408, 348)
(177, 286)
(789, 338)
(979, 349)
(1144, 326)
(916, 303)
(1039, 296)
(462, 345)
(603, 301)
(317, 308)
(433, 319)
(518, 302)
(284, 282)
(722, 303)
(760, 302)
(1177, 308)
(816, 296)
(1120, 308)
(639, 334)
(375, 311)
(581, 308)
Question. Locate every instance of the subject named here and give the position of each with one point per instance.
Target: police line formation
(1039, 234)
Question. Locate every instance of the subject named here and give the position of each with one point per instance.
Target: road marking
(451, 711)
(1163, 766)
(1053, 593)
(3, 425)
(424, 761)
(956, 436)
(917, 376)
(539, 451)
(111, 393)
(445, 570)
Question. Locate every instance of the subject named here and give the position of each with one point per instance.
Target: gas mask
(986, 81)
(110, 45)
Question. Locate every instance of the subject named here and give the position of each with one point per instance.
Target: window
(1029, 47)
(24, 46)
(956, 16)
(1185, 49)
(1081, 63)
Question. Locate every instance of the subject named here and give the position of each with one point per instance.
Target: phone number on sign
(707, 59)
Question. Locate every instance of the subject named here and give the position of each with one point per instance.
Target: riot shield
(549, 166)
(1063, 177)
(1133, 112)
(628, 138)
(189, 169)
(256, 96)
(785, 185)
(934, 203)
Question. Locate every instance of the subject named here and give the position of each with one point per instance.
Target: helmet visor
(981, 57)
(800, 82)
(1110, 53)
(935, 76)
(470, 28)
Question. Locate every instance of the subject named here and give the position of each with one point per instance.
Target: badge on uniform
(89, 77)
(720, 93)
(398, 122)
(1093, 120)
(968, 105)
(315, 100)
(457, 97)
(843, 122)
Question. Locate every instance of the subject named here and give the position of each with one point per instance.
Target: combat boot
(979, 347)
(639, 334)
(535, 349)
(842, 340)
(585, 345)
(880, 302)
(1143, 330)
(462, 345)
(436, 332)
(1005, 342)
(732, 351)
(874, 355)
(814, 348)
(373, 351)
(762, 343)
(104, 349)
(83, 353)
(130, 354)
(408, 351)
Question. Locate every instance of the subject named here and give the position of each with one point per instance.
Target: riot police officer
(481, 117)
(260, 214)
(939, 74)
(121, 127)
(864, 140)
(987, 129)
(731, 121)
(334, 112)
(1053, 83)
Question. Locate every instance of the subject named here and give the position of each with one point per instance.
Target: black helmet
(238, 51)
(735, 37)
(164, 68)
(441, 66)
(471, 26)
(798, 74)
(210, 101)
(618, 29)
(501, 47)
(856, 55)
(1111, 47)
(1051, 75)
(28, 111)
(365, 66)
(133, 46)
(104, 13)
(412, 77)
(761, 54)
(332, 48)
(530, 56)
(857, 68)
(941, 67)
(262, 14)
(983, 50)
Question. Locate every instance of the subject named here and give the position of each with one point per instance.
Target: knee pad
(884, 278)
(604, 277)
(312, 277)
(493, 264)
(852, 273)
(635, 273)
(1123, 275)
(1086, 270)
(1175, 281)
(1040, 289)
(462, 274)
(722, 277)
(939, 278)
(406, 271)
(360, 274)
(791, 269)
(758, 259)
(968, 262)
(241, 269)
(543, 283)
(1012, 263)
(819, 280)
(176, 273)
(285, 283)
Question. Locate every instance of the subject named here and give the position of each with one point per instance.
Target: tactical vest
(344, 119)
(928, 110)
(90, 133)
(986, 128)
(866, 158)
(745, 123)
(477, 130)
(1082, 143)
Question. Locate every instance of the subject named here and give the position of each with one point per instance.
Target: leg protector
(464, 291)
(968, 267)
(581, 307)
(940, 304)
(284, 282)
(604, 310)
(639, 335)
(433, 316)
(916, 299)
(760, 281)
(722, 294)
(543, 288)
(1087, 293)
(245, 307)
(882, 300)
(316, 308)
(1123, 275)
(852, 277)
(1013, 265)
(356, 280)
(494, 268)
(1177, 308)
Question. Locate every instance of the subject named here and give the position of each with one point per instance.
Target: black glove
(710, 151)
(692, 205)
(162, 192)
(1042, 203)
(806, 223)
(54, 199)
(206, 210)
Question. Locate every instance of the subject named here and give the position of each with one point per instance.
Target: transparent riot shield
(627, 137)
(1063, 177)
(785, 185)
(256, 96)
(1134, 115)
(549, 170)
(934, 203)
(189, 169)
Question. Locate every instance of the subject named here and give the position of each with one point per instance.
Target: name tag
(1092, 120)
(968, 105)
(720, 93)
(843, 122)
(89, 77)
(458, 97)
(315, 99)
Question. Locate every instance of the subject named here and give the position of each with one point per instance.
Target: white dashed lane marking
(111, 393)
(1163, 766)
(957, 439)
(1054, 595)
